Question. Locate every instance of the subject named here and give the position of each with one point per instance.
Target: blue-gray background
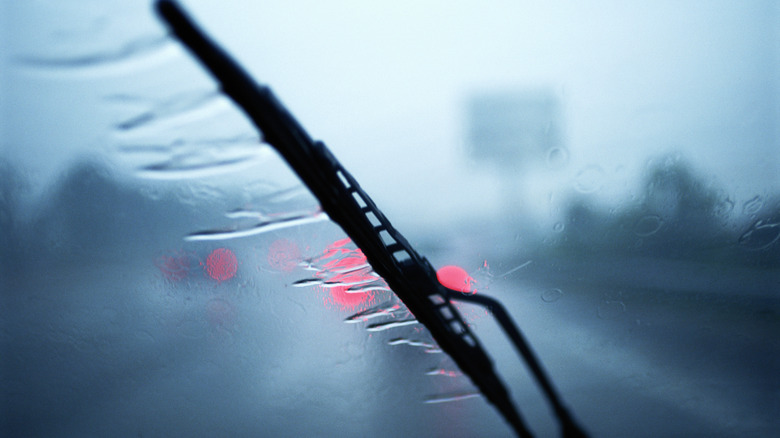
(652, 289)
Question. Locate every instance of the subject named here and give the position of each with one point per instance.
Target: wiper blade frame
(408, 274)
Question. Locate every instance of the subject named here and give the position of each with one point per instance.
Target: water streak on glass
(135, 54)
(182, 158)
(452, 397)
(119, 146)
(351, 285)
(264, 224)
(515, 269)
(380, 327)
(443, 372)
(372, 287)
(190, 106)
(374, 312)
(428, 346)
(306, 282)
(365, 267)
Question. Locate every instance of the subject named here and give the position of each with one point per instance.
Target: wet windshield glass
(608, 171)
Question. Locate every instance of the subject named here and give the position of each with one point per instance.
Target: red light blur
(345, 269)
(456, 278)
(221, 264)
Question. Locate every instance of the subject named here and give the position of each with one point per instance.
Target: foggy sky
(385, 85)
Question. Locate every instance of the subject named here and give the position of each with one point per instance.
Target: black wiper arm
(569, 427)
(408, 274)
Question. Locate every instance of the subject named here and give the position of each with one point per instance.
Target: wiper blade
(408, 274)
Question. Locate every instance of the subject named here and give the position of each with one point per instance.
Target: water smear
(182, 106)
(368, 289)
(347, 276)
(351, 286)
(182, 158)
(447, 398)
(374, 312)
(443, 372)
(266, 225)
(429, 347)
(306, 282)
(135, 54)
(380, 327)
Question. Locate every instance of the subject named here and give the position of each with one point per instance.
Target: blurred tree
(676, 216)
(684, 207)
(13, 187)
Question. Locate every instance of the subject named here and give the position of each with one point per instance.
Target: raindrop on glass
(551, 295)
(648, 225)
(752, 206)
(557, 158)
(724, 207)
(558, 227)
(760, 235)
(589, 179)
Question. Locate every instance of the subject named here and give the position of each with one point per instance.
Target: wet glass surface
(609, 172)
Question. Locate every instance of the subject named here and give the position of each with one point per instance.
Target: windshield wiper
(408, 274)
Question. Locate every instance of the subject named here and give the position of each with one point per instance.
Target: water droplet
(760, 235)
(558, 227)
(724, 207)
(648, 225)
(752, 206)
(551, 295)
(611, 309)
(557, 158)
(590, 179)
